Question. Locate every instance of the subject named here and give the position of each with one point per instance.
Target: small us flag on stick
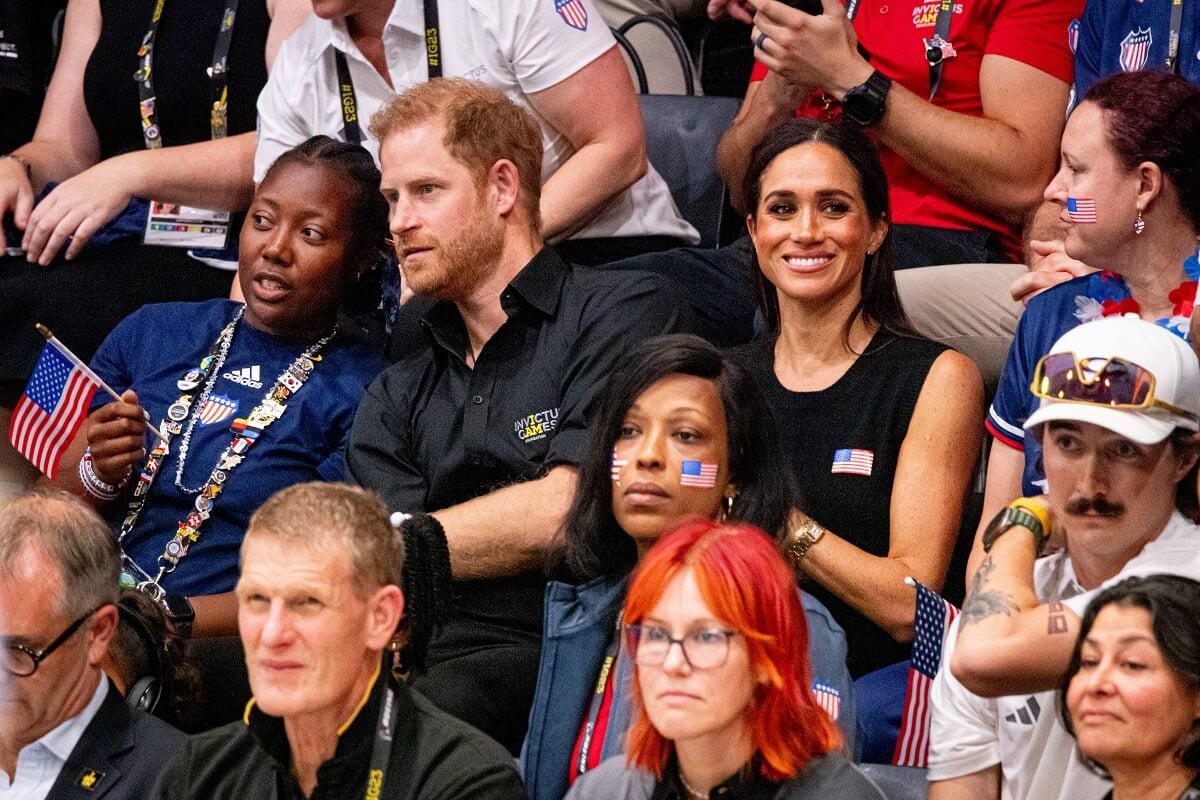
(934, 615)
(49, 413)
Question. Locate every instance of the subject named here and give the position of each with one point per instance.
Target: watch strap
(1010, 517)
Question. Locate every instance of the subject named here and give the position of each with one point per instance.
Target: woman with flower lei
(1128, 192)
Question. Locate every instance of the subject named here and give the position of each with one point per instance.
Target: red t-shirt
(1033, 32)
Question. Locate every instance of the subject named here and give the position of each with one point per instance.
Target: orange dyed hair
(747, 586)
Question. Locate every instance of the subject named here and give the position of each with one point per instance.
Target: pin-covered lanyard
(245, 433)
(217, 72)
(937, 49)
(352, 132)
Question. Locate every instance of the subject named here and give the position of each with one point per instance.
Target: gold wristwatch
(801, 540)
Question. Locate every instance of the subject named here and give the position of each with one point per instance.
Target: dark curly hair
(1173, 603)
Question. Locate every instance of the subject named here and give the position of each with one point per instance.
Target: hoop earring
(731, 494)
(1139, 224)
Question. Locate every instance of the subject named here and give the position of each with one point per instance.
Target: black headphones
(148, 690)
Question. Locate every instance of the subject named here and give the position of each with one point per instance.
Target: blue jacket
(577, 625)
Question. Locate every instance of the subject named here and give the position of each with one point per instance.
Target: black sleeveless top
(867, 410)
(183, 51)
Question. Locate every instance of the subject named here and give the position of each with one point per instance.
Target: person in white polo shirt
(1120, 407)
(555, 58)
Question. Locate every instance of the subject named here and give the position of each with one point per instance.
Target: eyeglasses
(22, 661)
(703, 648)
(1119, 383)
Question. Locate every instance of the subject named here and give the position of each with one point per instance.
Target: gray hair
(69, 534)
(340, 517)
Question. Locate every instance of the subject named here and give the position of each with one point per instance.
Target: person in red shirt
(965, 162)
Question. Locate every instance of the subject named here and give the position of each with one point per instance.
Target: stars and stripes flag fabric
(828, 698)
(698, 474)
(1081, 209)
(618, 464)
(49, 413)
(573, 12)
(934, 615)
(852, 461)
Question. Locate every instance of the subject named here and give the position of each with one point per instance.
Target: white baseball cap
(1164, 355)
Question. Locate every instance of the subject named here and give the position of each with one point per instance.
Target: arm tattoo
(1057, 621)
(982, 603)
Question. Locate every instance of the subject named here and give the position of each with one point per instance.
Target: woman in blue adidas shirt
(1128, 191)
(249, 398)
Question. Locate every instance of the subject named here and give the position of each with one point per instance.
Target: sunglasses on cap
(1119, 383)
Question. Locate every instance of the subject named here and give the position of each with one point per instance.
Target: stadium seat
(682, 134)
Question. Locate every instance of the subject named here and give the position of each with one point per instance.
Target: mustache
(1095, 505)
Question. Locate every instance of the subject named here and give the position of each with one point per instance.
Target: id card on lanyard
(172, 225)
(351, 130)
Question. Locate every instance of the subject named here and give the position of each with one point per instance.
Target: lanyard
(606, 670)
(352, 131)
(381, 752)
(217, 72)
(1173, 39)
(937, 49)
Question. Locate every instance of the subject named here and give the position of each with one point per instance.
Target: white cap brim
(1144, 426)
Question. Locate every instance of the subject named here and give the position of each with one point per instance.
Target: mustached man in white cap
(1120, 407)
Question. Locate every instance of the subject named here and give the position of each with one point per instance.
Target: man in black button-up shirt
(485, 423)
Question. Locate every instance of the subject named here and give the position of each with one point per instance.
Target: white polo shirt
(518, 46)
(1023, 733)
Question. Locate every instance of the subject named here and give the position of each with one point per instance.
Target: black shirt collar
(537, 287)
(347, 768)
(746, 784)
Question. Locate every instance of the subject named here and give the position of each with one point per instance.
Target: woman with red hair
(728, 713)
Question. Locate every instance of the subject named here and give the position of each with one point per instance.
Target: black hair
(145, 645)
(1151, 115)
(595, 544)
(368, 219)
(1173, 603)
(880, 303)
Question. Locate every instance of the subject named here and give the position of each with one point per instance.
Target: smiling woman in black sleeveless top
(882, 428)
(102, 144)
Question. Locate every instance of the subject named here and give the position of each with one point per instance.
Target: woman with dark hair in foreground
(1133, 688)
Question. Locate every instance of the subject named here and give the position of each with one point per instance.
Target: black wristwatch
(1010, 517)
(864, 104)
(180, 612)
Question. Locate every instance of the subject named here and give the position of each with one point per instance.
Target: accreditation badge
(172, 225)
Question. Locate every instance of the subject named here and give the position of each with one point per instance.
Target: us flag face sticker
(1135, 49)
(618, 464)
(852, 461)
(573, 12)
(698, 474)
(1081, 209)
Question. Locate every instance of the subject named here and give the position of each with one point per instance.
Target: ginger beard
(452, 270)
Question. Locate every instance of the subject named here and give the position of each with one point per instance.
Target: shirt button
(477, 399)
(475, 461)
(883, 9)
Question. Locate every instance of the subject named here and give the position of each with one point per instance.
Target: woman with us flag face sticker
(680, 433)
(1127, 194)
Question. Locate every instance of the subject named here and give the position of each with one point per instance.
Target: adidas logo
(246, 376)
(1026, 714)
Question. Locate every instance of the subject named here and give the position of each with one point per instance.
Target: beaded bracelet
(93, 485)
